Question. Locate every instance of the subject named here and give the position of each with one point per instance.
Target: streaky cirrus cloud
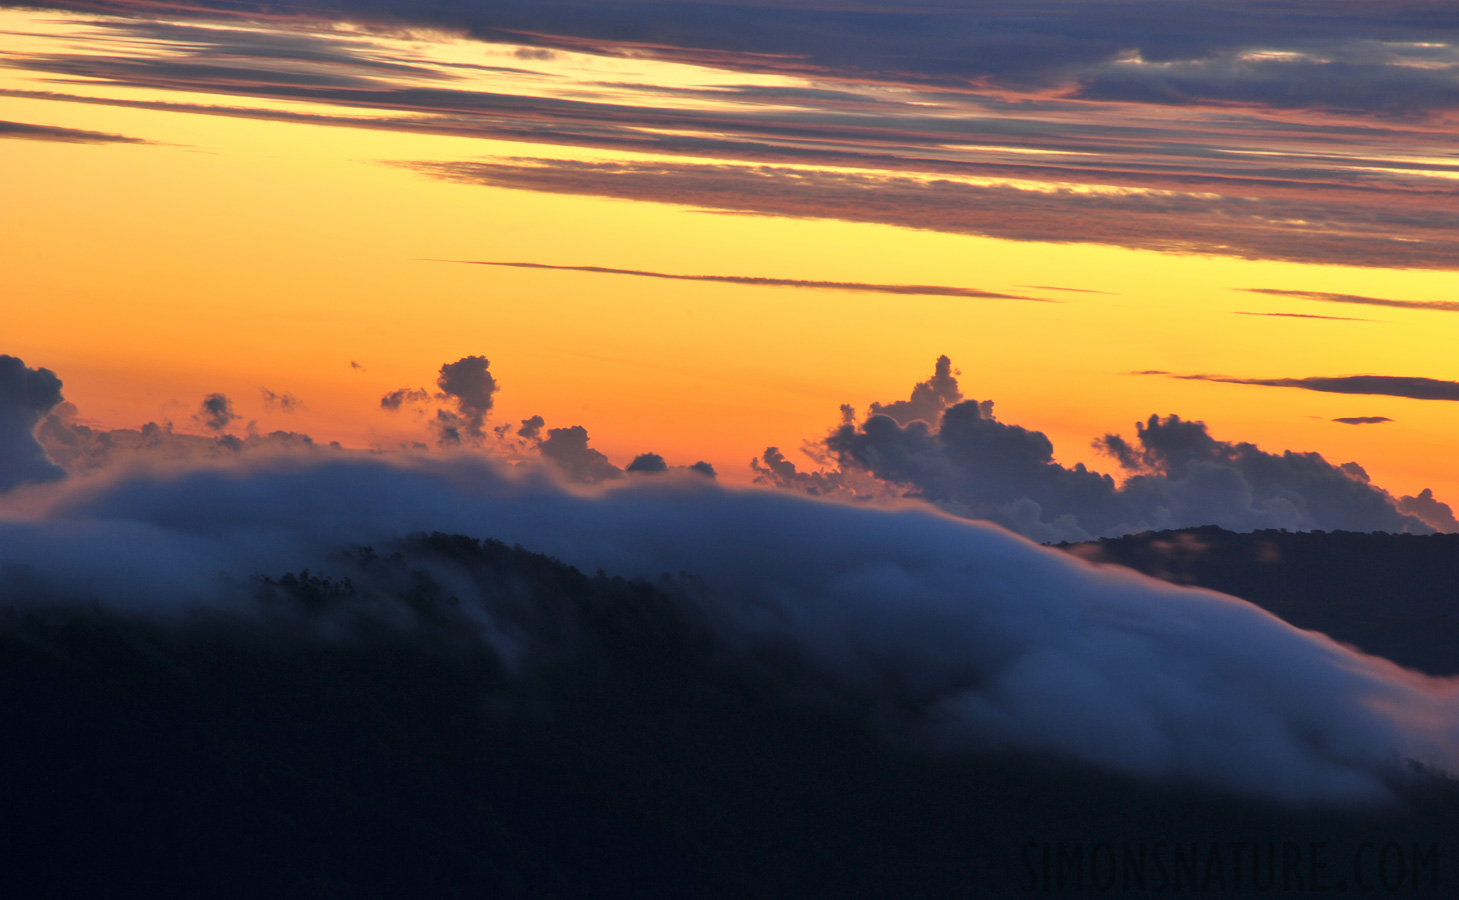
(956, 454)
(24, 131)
(1389, 58)
(1412, 387)
(930, 290)
(1371, 233)
(1280, 315)
(1328, 297)
(1353, 76)
(1020, 157)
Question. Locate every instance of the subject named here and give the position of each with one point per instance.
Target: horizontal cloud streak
(761, 281)
(1411, 387)
(1303, 316)
(1327, 297)
(1363, 420)
(1387, 58)
(25, 131)
(1044, 160)
(1155, 220)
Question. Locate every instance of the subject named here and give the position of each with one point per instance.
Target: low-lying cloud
(971, 638)
(955, 453)
(26, 396)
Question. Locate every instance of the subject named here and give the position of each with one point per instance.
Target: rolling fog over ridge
(999, 642)
(968, 654)
(751, 450)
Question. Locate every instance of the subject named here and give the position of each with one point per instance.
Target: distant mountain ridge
(1390, 595)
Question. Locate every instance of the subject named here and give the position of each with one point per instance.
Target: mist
(965, 637)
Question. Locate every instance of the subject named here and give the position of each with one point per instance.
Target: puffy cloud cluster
(467, 383)
(468, 390)
(1437, 514)
(568, 450)
(285, 402)
(216, 413)
(958, 455)
(399, 398)
(82, 449)
(26, 396)
(964, 636)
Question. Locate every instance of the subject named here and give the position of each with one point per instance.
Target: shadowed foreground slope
(365, 736)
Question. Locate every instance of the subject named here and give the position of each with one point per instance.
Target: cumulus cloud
(966, 637)
(654, 464)
(26, 396)
(468, 383)
(215, 413)
(929, 398)
(1425, 506)
(647, 464)
(568, 450)
(82, 449)
(285, 402)
(394, 400)
(531, 427)
(956, 454)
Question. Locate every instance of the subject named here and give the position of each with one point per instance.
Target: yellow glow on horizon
(235, 254)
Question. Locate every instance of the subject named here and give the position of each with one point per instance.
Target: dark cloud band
(1327, 297)
(759, 281)
(1278, 315)
(1412, 387)
(29, 132)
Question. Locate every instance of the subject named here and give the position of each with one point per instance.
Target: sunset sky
(1082, 205)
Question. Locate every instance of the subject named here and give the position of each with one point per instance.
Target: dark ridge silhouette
(1391, 595)
(365, 736)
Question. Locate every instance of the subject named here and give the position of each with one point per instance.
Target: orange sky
(238, 252)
